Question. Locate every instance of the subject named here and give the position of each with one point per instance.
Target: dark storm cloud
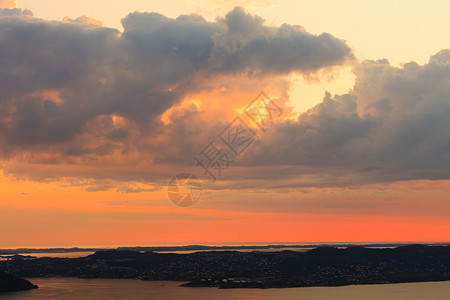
(57, 77)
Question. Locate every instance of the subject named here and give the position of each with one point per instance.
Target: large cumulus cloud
(74, 89)
(76, 94)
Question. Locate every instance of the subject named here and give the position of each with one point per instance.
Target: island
(322, 266)
(9, 283)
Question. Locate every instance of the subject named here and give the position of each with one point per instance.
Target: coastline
(323, 266)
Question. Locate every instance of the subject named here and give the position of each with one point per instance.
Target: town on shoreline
(321, 266)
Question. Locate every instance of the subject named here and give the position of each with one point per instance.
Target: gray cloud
(393, 125)
(4, 12)
(57, 78)
(83, 95)
(248, 45)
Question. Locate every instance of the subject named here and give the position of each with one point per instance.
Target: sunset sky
(103, 102)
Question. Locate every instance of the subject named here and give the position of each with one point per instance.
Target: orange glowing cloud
(83, 20)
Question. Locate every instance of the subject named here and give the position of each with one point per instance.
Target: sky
(102, 103)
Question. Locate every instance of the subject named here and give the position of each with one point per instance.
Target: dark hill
(9, 283)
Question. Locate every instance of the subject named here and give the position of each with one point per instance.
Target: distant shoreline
(6, 251)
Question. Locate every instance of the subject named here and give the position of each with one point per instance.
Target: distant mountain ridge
(206, 247)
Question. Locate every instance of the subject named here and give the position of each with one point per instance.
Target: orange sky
(94, 122)
(52, 214)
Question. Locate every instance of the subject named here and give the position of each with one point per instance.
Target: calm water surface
(75, 288)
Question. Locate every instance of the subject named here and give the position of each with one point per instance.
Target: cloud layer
(77, 94)
(61, 79)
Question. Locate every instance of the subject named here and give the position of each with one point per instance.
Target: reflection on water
(61, 255)
(75, 288)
